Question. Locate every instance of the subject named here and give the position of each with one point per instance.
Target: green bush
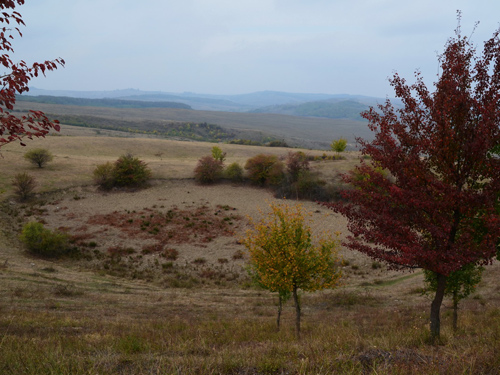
(339, 145)
(234, 172)
(38, 157)
(127, 171)
(131, 172)
(43, 241)
(104, 176)
(24, 185)
(208, 170)
(264, 169)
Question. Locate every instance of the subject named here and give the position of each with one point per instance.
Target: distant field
(304, 132)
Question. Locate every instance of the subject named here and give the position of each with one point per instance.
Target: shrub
(38, 157)
(307, 186)
(127, 171)
(104, 176)
(24, 185)
(264, 169)
(234, 172)
(339, 145)
(208, 170)
(43, 241)
(131, 172)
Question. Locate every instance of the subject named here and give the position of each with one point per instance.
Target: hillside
(307, 132)
(345, 109)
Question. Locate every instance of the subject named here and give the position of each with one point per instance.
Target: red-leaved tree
(15, 81)
(427, 197)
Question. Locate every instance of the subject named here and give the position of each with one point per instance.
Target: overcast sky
(242, 46)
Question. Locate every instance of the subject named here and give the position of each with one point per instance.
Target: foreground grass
(118, 330)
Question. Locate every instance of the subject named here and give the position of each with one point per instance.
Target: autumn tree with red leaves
(15, 81)
(434, 207)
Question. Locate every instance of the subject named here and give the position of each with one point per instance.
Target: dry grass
(76, 156)
(67, 316)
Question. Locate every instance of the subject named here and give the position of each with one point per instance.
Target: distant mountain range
(340, 106)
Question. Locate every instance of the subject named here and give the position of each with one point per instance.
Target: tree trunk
(436, 308)
(297, 311)
(280, 307)
(455, 311)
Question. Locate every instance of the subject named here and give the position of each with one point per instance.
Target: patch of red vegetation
(175, 226)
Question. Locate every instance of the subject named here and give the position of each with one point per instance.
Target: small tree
(208, 170)
(284, 259)
(39, 156)
(339, 145)
(460, 285)
(218, 154)
(24, 185)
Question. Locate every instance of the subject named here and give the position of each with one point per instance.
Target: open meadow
(122, 305)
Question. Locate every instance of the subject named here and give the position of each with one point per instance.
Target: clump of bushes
(24, 186)
(44, 242)
(127, 171)
(299, 181)
(289, 177)
(39, 157)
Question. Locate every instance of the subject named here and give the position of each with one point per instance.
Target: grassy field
(71, 316)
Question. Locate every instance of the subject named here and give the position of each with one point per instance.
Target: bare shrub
(24, 185)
